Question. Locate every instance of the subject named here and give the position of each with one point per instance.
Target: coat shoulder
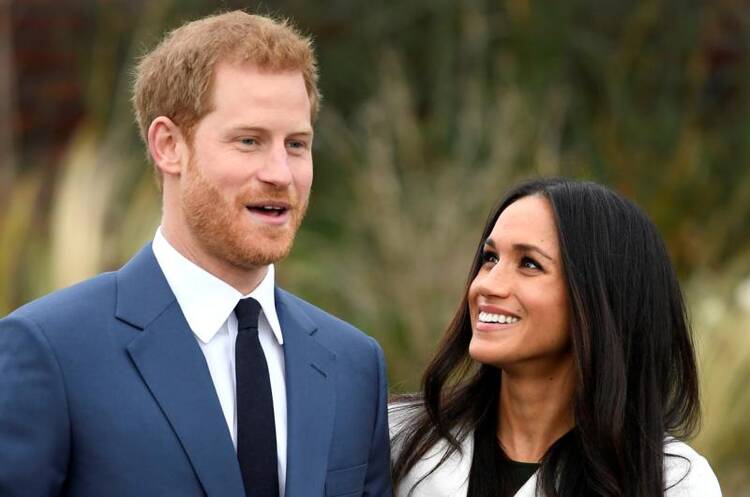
(687, 473)
(434, 475)
(331, 330)
(72, 306)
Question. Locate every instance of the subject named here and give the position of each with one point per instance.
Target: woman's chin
(483, 352)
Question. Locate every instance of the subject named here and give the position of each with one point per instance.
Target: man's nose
(275, 168)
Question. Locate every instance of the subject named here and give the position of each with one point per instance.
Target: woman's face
(518, 301)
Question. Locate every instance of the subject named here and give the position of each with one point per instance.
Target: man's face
(246, 187)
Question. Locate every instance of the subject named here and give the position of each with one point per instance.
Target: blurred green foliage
(431, 110)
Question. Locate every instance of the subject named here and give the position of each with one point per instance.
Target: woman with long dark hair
(568, 369)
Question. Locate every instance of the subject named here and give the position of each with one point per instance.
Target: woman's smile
(491, 318)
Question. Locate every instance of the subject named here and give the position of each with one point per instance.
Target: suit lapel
(310, 398)
(173, 367)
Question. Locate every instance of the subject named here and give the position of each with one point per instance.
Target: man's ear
(167, 146)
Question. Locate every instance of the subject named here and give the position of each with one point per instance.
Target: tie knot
(247, 311)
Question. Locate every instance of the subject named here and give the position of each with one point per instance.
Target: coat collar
(142, 291)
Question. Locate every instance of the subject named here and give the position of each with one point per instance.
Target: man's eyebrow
(261, 129)
(302, 132)
(521, 247)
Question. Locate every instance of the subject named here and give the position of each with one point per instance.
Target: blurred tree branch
(7, 103)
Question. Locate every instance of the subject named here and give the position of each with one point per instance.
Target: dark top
(516, 472)
(508, 476)
(492, 473)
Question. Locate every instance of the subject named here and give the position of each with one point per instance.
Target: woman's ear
(167, 146)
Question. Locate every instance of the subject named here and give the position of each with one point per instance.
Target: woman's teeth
(488, 317)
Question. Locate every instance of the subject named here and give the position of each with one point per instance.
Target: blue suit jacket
(104, 392)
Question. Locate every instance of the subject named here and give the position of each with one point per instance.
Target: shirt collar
(205, 300)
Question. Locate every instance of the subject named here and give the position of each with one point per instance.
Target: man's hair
(176, 78)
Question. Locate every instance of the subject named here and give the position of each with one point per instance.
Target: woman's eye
(529, 263)
(490, 257)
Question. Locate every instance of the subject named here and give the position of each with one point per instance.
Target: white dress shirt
(208, 305)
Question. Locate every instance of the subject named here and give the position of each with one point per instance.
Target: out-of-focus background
(432, 108)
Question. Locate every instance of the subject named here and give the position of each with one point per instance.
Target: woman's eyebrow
(521, 247)
(525, 247)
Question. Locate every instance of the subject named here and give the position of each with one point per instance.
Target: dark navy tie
(256, 430)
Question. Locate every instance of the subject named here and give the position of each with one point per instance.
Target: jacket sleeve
(34, 423)
(378, 478)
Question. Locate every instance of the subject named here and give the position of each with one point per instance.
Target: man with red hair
(188, 372)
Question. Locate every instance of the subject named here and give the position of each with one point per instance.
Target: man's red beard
(224, 228)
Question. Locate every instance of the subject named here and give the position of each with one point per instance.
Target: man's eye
(490, 257)
(296, 144)
(248, 141)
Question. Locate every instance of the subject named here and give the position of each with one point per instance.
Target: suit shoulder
(70, 304)
(328, 323)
